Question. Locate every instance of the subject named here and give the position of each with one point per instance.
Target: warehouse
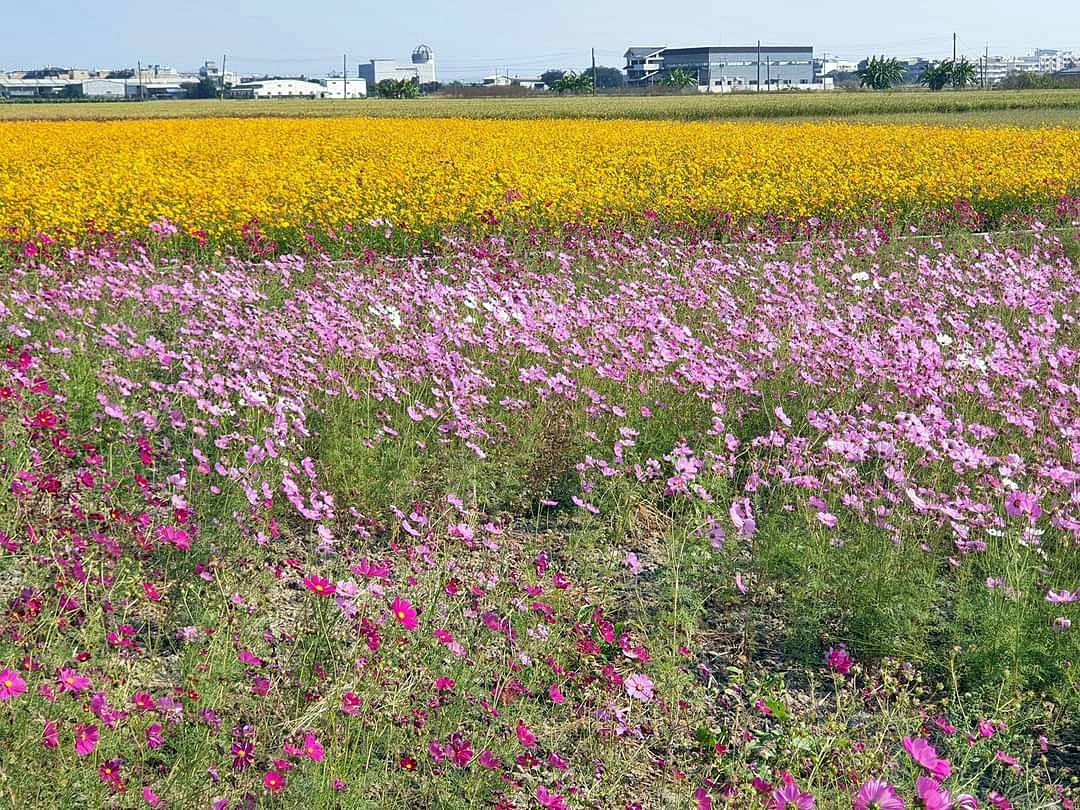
(727, 69)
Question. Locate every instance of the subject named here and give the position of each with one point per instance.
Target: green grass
(973, 108)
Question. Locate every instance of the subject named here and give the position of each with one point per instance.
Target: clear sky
(472, 39)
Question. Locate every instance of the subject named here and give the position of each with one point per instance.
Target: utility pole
(223, 77)
(344, 77)
(759, 65)
(138, 78)
(768, 73)
(595, 87)
(986, 65)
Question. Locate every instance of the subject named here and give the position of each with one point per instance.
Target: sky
(474, 39)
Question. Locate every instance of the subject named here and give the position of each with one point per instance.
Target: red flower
(408, 763)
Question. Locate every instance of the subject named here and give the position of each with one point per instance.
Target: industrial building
(335, 87)
(421, 68)
(728, 69)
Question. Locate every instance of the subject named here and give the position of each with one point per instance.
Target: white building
(504, 80)
(104, 88)
(421, 68)
(337, 87)
(334, 87)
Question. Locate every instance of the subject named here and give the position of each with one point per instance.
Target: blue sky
(472, 39)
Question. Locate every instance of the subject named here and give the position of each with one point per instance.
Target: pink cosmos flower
(925, 754)
(998, 800)
(50, 735)
(350, 704)
(550, 800)
(1021, 503)
(405, 613)
(154, 737)
(639, 687)
(109, 772)
(788, 795)
(72, 681)
(150, 797)
(932, 795)
(839, 660)
(86, 739)
(877, 794)
(11, 684)
(525, 737)
(556, 694)
(318, 585)
(178, 537)
(313, 748)
(274, 781)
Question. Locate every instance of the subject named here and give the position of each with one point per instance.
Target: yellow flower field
(217, 174)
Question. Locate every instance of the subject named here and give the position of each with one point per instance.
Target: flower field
(559, 505)
(213, 177)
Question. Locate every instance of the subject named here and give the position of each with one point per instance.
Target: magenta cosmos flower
(274, 782)
(11, 684)
(313, 748)
(839, 660)
(72, 681)
(789, 797)
(405, 613)
(925, 754)
(877, 794)
(318, 585)
(86, 739)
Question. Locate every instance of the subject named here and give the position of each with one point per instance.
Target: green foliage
(205, 88)
(397, 88)
(679, 79)
(572, 82)
(879, 73)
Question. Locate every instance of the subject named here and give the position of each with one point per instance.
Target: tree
(571, 82)
(609, 78)
(549, 77)
(937, 76)
(205, 88)
(957, 74)
(72, 91)
(397, 88)
(679, 78)
(964, 74)
(880, 73)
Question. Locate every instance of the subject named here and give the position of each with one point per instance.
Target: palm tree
(880, 73)
(679, 78)
(937, 76)
(963, 73)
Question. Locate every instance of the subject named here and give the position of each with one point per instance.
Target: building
(211, 71)
(505, 80)
(728, 69)
(1041, 61)
(334, 87)
(421, 68)
(642, 64)
(337, 87)
(104, 88)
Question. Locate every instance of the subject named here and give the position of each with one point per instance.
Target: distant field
(976, 108)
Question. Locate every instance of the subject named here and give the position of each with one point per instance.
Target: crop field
(365, 462)
(979, 106)
(285, 177)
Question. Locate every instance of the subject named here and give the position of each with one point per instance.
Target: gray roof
(637, 51)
